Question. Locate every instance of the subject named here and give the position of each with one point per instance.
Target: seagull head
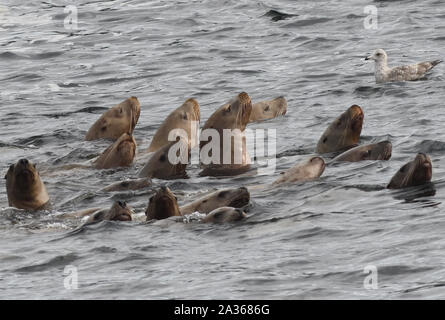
(378, 56)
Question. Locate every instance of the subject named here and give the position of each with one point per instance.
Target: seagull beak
(368, 58)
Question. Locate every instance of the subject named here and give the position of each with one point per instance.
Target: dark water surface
(310, 240)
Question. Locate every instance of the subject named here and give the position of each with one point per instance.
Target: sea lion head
(344, 132)
(224, 215)
(377, 151)
(233, 115)
(183, 121)
(119, 211)
(24, 187)
(379, 55)
(120, 119)
(268, 109)
(163, 204)
(310, 169)
(232, 197)
(374, 151)
(120, 154)
(416, 172)
(169, 162)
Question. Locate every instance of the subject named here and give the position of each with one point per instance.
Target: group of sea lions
(178, 134)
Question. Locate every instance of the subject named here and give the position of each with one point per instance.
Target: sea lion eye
(162, 158)
(267, 108)
(366, 154)
(325, 139)
(229, 108)
(403, 169)
(338, 123)
(222, 194)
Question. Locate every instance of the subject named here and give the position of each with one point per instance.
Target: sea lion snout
(23, 162)
(241, 214)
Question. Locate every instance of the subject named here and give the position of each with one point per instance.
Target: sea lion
(343, 133)
(269, 109)
(120, 154)
(162, 205)
(24, 187)
(416, 172)
(237, 197)
(161, 166)
(231, 158)
(305, 171)
(132, 184)
(119, 211)
(224, 215)
(118, 120)
(373, 151)
(185, 118)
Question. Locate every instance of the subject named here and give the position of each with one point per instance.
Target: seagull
(383, 73)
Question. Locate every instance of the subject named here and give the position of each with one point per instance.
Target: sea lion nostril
(23, 161)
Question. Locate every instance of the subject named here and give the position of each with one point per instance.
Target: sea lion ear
(11, 167)
(185, 117)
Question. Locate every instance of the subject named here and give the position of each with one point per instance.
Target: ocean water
(304, 241)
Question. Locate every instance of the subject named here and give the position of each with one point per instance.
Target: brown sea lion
(268, 109)
(373, 151)
(118, 120)
(132, 184)
(343, 133)
(120, 154)
(224, 159)
(224, 215)
(308, 170)
(416, 172)
(119, 211)
(237, 197)
(162, 205)
(185, 118)
(24, 187)
(169, 162)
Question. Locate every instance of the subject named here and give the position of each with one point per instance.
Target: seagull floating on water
(383, 73)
